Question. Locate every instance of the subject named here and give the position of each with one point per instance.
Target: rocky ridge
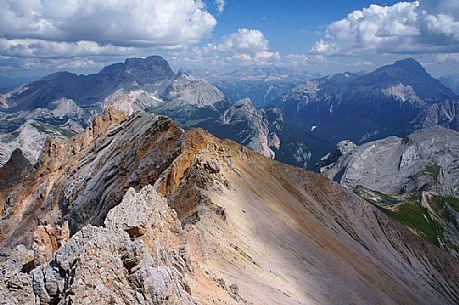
(246, 229)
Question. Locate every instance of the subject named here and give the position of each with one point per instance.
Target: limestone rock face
(15, 282)
(162, 215)
(444, 114)
(342, 148)
(128, 261)
(46, 240)
(427, 160)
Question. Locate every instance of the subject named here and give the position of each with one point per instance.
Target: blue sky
(291, 26)
(40, 37)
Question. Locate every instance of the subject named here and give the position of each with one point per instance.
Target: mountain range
(64, 103)
(312, 116)
(125, 186)
(7, 84)
(364, 107)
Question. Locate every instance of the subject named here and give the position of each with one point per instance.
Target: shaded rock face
(263, 93)
(444, 114)
(427, 160)
(17, 168)
(138, 71)
(233, 227)
(451, 81)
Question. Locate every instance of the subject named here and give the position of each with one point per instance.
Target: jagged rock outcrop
(15, 281)
(427, 160)
(257, 134)
(136, 258)
(246, 229)
(41, 187)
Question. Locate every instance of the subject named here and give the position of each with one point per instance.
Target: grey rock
(193, 91)
(257, 134)
(427, 160)
(102, 265)
(15, 282)
(444, 114)
(212, 166)
(342, 148)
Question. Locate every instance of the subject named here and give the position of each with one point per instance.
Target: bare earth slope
(245, 230)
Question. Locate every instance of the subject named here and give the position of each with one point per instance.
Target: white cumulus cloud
(426, 26)
(44, 48)
(36, 34)
(244, 40)
(128, 22)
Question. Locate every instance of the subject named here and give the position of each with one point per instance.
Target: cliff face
(137, 210)
(427, 160)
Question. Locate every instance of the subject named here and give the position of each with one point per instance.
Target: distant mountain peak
(149, 61)
(407, 65)
(408, 62)
(410, 72)
(142, 65)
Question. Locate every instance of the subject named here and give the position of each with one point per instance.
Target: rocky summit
(136, 210)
